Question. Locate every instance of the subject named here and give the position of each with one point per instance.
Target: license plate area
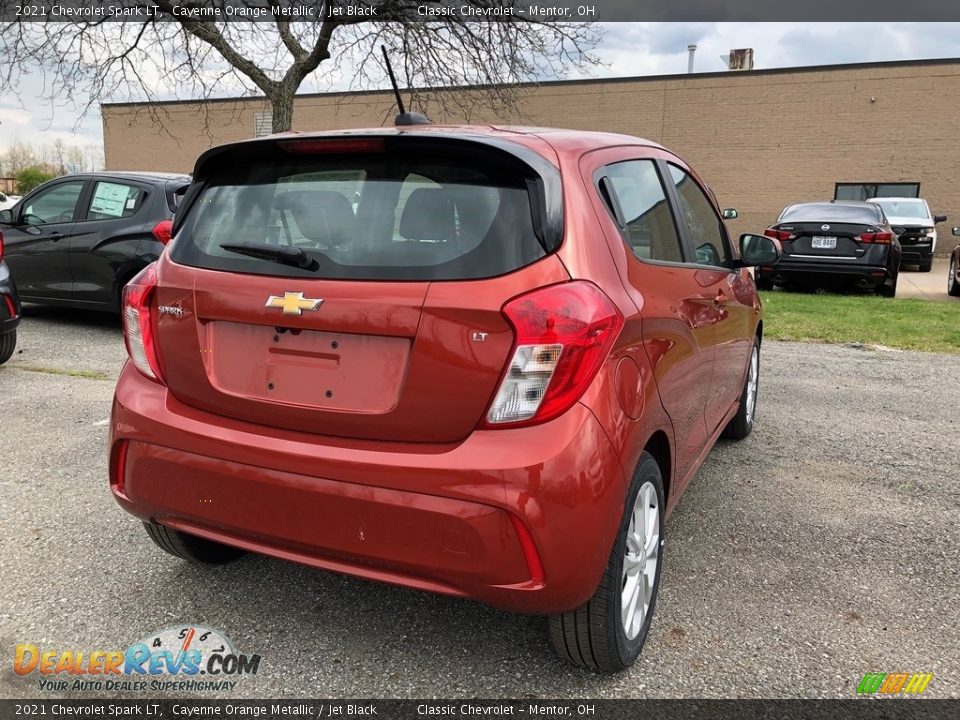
(823, 242)
(307, 368)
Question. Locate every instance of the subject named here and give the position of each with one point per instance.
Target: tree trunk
(282, 105)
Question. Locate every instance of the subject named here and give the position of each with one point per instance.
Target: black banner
(477, 10)
(862, 709)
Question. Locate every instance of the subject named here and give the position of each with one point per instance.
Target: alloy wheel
(752, 376)
(640, 561)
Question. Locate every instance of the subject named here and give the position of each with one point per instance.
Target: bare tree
(19, 156)
(168, 55)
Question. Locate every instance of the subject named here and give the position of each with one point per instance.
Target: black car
(78, 239)
(9, 310)
(849, 243)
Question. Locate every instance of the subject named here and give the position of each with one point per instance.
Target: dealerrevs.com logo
(184, 658)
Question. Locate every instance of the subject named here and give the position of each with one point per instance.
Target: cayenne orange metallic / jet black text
(477, 361)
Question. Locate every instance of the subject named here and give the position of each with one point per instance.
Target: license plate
(823, 242)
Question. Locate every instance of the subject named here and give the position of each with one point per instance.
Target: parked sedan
(9, 310)
(953, 279)
(78, 239)
(493, 379)
(848, 243)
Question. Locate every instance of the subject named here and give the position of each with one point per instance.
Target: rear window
(400, 215)
(820, 212)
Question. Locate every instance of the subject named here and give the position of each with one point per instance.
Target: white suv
(915, 227)
(8, 201)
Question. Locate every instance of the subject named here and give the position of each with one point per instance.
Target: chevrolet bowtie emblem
(293, 303)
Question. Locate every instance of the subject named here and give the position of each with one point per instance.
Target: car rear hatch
(814, 233)
(844, 242)
(352, 285)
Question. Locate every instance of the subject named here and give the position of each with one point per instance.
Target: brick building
(760, 138)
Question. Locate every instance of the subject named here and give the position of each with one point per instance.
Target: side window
(114, 200)
(647, 222)
(703, 224)
(54, 205)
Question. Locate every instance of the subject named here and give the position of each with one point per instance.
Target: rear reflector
(118, 468)
(11, 308)
(333, 145)
(778, 234)
(530, 554)
(163, 230)
(563, 333)
(879, 238)
(138, 326)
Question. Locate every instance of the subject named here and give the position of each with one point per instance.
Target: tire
(741, 424)
(763, 284)
(953, 287)
(190, 547)
(8, 343)
(926, 266)
(594, 635)
(888, 291)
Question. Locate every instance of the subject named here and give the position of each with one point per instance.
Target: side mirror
(729, 214)
(6, 217)
(939, 218)
(759, 250)
(956, 231)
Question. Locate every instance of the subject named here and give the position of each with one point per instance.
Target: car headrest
(428, 215)
(322, 216)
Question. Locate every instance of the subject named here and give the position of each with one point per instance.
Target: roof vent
(741, 59)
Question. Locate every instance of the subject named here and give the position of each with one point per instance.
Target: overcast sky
(628, 48)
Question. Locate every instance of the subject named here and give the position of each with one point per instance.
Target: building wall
(761, 139)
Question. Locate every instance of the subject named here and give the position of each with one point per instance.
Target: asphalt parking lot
(825, 546)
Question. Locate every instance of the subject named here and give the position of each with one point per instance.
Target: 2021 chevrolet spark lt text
(477, 361)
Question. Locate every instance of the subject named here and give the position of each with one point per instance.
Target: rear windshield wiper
(297, 257)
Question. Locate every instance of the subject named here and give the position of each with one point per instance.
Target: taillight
(879, 238)
(138, 326)
(163, 230)
(1, 246)
(778, 234)
(562, 335)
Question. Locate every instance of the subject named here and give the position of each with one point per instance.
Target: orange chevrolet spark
(478, 361)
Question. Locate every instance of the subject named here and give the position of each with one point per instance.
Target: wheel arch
(658, 446)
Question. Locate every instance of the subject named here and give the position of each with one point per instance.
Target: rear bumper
(786, 270)
(521, 519)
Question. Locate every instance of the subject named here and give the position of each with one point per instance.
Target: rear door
(676, 312)
(103, 245)
(37, 246)
(395, 333)
(731, 295)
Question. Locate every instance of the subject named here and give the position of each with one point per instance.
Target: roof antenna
(404, 117)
